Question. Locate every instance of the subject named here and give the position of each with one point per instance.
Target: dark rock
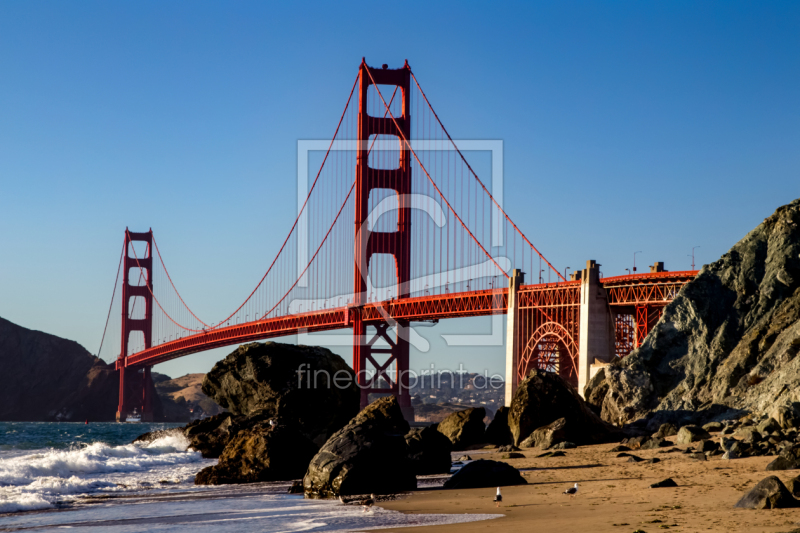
(669, 482)
(368, 455)
(654, 444)
(465, 458)
(794, 486)
(564, 445)
(729, 336)
(484, 473)
(544, 397)
(552, 454)
(782, 463)
(747, 434)
(620, 448)
(789, 459)
(713, 427)
(671, 450)
(708, 446)
(297, 487)
(429, 451)
(508, 448)
(653, 461)
(635, 459)
(636, 442)
(261, 453)
(623, 454)
(209, 436)
(700, 456)
(666, 430)
(787, 416)
(768, 426)
(514, 455)
(689, 434)
(498, 431)
(309, 385)
(769, 493)
(547, 436)
(595, 391)
(464, 428)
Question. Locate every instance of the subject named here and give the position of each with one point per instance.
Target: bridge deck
(637, 289)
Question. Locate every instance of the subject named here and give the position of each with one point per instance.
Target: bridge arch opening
(550, 348)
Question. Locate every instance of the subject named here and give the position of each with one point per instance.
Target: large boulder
(544, 397)
(261, 452)
(788, 459)
(546, 436)
(769, 493)
(498, 432)
(730, 336)
(690, 434)
(209, 436)
(368, 455)
(464, 428)
(485, 473)
(429, 451)
(311, 386)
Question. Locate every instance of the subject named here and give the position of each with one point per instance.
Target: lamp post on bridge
(693, 247)
(565, 272)
(634, 260)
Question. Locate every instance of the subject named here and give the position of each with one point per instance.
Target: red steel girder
(646, 289)
(322, 320)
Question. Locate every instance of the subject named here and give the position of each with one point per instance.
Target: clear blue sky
(653, 126)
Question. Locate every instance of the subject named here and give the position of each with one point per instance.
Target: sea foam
(42, 480)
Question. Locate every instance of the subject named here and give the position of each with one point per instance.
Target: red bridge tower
(368, 243)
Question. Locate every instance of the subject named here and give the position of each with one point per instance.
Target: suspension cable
(481, 183)
(113, 295)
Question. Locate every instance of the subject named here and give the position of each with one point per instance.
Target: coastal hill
(48, 378)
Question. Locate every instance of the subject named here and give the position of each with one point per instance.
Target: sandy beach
(614, 495)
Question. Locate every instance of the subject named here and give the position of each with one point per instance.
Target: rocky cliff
(49, 378)
(730, 338)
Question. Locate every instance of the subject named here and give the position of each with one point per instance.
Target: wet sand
(614, 495)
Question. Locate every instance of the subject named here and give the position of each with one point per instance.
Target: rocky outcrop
(47, 378)
(769, 493)
(546, 436)
(261, 453)
(729, 338)
(309, 385)
(366, 456)
(498, 431)
(209, 436)
(485, 473)
(428, 451)
(544, 397)
(464, 428)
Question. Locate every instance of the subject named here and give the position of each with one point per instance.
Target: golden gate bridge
(396, 228)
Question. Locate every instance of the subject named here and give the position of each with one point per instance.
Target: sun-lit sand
(614, 495)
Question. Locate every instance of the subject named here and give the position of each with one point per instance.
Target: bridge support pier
(122, 410)
(512, 335)
(597, 333)
(147, 394)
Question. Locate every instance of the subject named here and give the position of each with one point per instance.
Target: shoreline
(614, 495)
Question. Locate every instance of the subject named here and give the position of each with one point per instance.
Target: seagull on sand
(369, 502)
(273, 422)
(498, 498)
(572, 491)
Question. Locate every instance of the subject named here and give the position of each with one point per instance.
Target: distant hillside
(188, 390)
(46, 378)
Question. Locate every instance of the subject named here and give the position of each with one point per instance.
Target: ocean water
(91, 478)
